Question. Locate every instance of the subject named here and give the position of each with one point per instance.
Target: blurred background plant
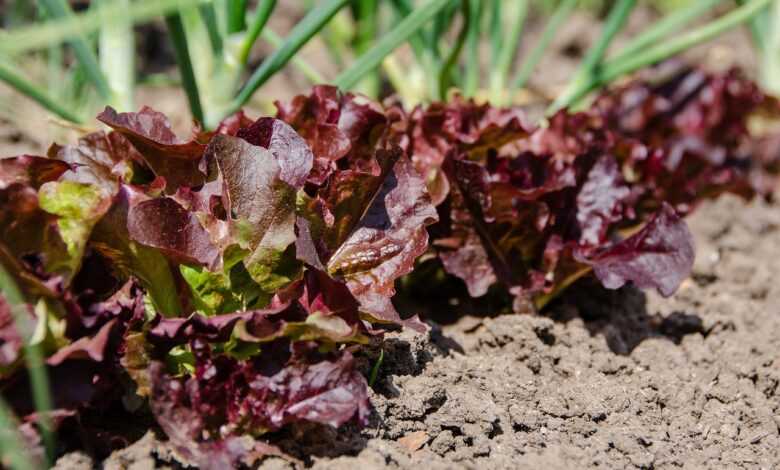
(75, 57)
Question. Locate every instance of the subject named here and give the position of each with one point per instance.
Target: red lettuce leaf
(335, 126)
(248, 397)
(364, 217)
(111, 238)
(460, 126)
(184, 426)
(30, 170)
(150, 132)
(260, 189)
(101, 159)
(164, 224)
(601, 200)
(659, 256)
(92, 348)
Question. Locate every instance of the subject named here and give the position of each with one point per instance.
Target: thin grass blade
(440, 25)
(473, 62)
(614, 23)
(389, 42)
(40, 36)
(614, 69)
(116, 52)
(16, 80)
(262, 13)
(496, 28)
(310, 25)
(39, 381)
(236, 15)
(770, 54)
(184, 61)
(82, 50)
(366, 20)
(759, 26)
(560, 15)
(445, 75)
(507, 53)
(305, 68)
(209, 17)
(667, 25)
(404, 8)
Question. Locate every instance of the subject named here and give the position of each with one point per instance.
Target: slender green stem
(669, 24)
(117, 56)
(615, 21)
(365, 14)
(236, 15)
(404, 8)
(9, 288)
(425, 44)
(507, 54)
(388, 43)
(306, 68)
(562, 12)
(262, 13)
(312, 23)
(440, 25)
(432, 62)
(617, 68)
(179, 40)
(405, 80)
(54, 70)
(39, 381)
(40, 36)
(473, 69)
(14, 78)
(496, 31)
(11, 446)
(759, 26)
(209, 17)
(770, 54)
(82, 50)
(452, 58)
(216, 73)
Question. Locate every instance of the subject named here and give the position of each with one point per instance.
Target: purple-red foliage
(602, 190)
(221, 277)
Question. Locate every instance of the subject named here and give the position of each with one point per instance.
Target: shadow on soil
(621, 316)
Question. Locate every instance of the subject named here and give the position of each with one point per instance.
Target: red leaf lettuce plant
(226, 276)
(601, 191)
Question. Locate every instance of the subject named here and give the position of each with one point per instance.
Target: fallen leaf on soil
(414, 441)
